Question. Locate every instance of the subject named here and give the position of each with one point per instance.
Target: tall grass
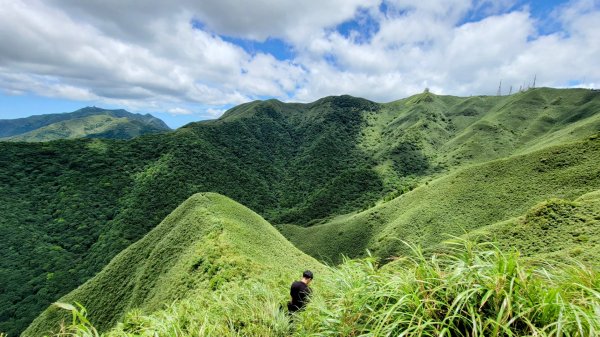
(468, 290)
(80, 325)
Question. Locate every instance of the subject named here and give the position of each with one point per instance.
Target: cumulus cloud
(170, 55)
(179, 111)
(178, 64)
(422, 45)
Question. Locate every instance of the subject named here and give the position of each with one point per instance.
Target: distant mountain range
(89, 122)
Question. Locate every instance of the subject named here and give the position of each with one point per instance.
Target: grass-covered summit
(205, 244)
(556, 229)
(90, 122)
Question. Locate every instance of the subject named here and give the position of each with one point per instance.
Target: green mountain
(88, 122)
(353, 174)
(204, 245)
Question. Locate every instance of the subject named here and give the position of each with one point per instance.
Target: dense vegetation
(68, 207)
(555, 229)
(223, 270)
(89, 122)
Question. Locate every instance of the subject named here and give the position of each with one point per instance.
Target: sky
(189, 60)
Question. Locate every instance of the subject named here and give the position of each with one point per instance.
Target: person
(300, 292)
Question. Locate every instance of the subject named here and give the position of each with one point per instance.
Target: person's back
(300, 292)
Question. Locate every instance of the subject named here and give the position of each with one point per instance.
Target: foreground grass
(467, 290)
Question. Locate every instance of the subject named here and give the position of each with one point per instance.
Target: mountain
(353, 174)
(88, 122)
(206, 243)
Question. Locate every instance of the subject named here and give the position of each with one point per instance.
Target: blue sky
(185, 61)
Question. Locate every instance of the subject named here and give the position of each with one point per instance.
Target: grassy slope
(428, 135)
(459, 130)
(69, 206)
(467, 289)
(358, 297)
(476, 196)
(556, 229)
(203, 245)
(527, 122)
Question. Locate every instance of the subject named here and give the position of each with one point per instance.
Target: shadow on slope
(468, 199)
(206, 243)
(522, 123)
(68, 207)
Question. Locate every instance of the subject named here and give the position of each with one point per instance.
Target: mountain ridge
(204, 244)
(86, 122)
(187, 280)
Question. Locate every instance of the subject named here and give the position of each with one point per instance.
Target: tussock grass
(557, 229)
(470, 289)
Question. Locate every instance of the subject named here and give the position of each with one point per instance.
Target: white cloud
(296, 21)
(423, 47)
(179, 63)
(180, 111)
(149, 55)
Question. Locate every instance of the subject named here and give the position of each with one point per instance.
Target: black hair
(307, 274)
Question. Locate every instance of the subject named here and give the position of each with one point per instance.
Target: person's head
(307, 276)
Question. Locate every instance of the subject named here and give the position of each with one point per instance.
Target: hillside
(221, 269)
(426, 133)
(556, 229)
(89, 122)
(457, 203)
(208, 242)
(68, 207)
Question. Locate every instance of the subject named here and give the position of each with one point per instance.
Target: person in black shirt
(300, 292)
